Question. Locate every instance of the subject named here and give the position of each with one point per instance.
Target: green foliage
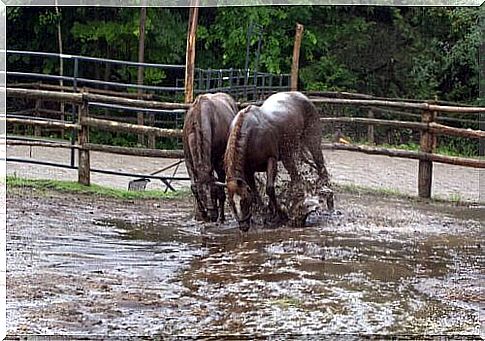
(328, 74)
(418, 52)
(412, 52)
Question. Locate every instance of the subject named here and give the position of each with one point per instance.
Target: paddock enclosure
(388, 261)
(379, 265)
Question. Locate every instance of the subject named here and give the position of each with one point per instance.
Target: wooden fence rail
(402, 105)
(43, 123)
(428, 127)
(407, 154)
(167, 154)
(130, 128)
(433, 127)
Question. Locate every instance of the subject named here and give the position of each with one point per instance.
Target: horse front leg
(221, 194)
(222, 201)
(255, 197)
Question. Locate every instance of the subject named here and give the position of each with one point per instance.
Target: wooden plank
(42, 123)
(123, 94)
(407, 154)
(45, 95)
(462, 132)
(144, 152)
(130, 128)
(433, 127)
(77, 98)
(402, 105)
(353, 95)
(134, 102)
(41, 144)
(296, 57)
(375, 121)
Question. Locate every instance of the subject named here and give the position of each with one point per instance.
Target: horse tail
(313, 139)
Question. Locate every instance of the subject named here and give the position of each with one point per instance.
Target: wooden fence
(428, 127)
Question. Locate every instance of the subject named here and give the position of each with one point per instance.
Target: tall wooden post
(370, 128)
(425, 172)
(38, 105)
(61, 62)
(190, 52)
(296, 57)
(141, 59)
(84, 173)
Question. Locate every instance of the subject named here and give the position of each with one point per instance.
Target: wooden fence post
(84, 176)
(141, 59)
(296, 57)
(151, 137)
(425, 172)
(370, 128)
(38, 105)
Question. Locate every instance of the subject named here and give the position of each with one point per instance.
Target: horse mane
(234, 156)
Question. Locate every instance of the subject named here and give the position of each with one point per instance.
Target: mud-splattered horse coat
(205, 134)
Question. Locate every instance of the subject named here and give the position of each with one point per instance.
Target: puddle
(379, 266)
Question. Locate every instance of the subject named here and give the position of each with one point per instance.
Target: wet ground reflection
(376, 266)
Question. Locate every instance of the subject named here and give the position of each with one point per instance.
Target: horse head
(240, 200)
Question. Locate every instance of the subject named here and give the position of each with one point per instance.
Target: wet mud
(78, 265)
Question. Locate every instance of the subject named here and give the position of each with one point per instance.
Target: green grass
(363, 190)
(96, 190)
(455, 198)
(101, 191)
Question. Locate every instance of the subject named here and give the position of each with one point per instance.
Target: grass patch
(96, 190)
(362, 190)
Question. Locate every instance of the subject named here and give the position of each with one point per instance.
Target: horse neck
(236, 169)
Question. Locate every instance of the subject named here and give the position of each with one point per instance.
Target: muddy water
(84, 266)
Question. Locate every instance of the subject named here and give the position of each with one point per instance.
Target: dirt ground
(449, 182)
(83, 266)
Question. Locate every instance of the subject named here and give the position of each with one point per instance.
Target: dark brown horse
(205, 134)
(262, 136)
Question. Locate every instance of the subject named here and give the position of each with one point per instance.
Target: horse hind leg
(270, 184)
(278, 216)
(313, 144)
(290, 164)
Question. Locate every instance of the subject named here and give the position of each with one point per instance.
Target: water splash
(310, 195)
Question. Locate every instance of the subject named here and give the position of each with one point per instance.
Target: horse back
(287, 115)
(206, 129)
